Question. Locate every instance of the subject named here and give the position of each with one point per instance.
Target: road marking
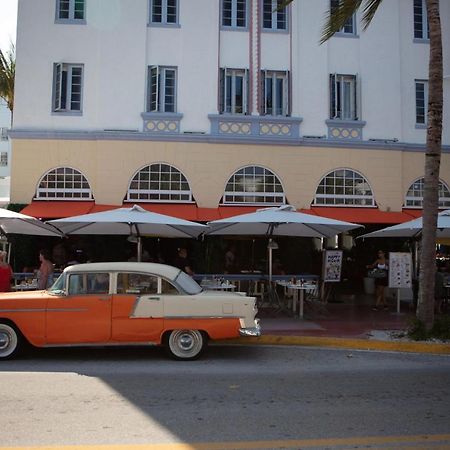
(429, 442)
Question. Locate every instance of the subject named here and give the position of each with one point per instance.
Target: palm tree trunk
(425, 307)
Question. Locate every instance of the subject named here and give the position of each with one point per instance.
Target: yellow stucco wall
(110, 165)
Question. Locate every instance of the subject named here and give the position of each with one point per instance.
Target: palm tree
(7, 74)
(336, 19)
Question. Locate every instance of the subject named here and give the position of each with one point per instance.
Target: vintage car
(124, 303)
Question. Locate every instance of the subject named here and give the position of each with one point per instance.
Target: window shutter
(358, 99)
(263, 106)
(247, 92)
(153, 103)
(286, 99)
(222, 93)
(58, 86)
(333, 96)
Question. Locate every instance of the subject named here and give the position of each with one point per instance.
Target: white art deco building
(204, 108)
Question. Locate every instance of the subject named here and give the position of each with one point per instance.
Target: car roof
(153, 268)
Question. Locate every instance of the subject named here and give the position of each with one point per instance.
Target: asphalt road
(235, 397)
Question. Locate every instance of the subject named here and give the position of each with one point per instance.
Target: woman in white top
(381, 281)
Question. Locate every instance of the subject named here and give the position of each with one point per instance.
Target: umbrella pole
(139, 249)
(270, 262)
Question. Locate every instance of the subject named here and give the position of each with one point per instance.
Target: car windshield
(188, 284)
(58, 286)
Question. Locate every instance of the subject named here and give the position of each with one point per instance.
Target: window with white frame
(67, 87)
(275, 87)
(421, 30)
(4, 133)
(234, 13)
(3, 159)
(414, 196)
(233, 91)
(70, 10)
(64, 183)
(159, 183)
(275, 17)
(164, 12)
(343, 97)
(350, 24)
(421, 102)
(162, 89)
(256, 185)
(344, 187)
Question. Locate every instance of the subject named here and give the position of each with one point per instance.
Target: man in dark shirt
(182, 261)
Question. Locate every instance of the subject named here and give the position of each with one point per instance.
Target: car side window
(76, 284)
(98, 283)
(136, 283)
(168, 288)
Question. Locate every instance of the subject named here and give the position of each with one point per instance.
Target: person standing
(182, 261)
(45, 277)
(6, 273)
(381, 279)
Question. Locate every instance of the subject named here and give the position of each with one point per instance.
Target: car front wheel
(9, 341)
(185, 344)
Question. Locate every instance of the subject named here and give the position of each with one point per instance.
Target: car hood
(22, 295)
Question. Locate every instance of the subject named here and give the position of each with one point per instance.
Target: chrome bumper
(253, 331)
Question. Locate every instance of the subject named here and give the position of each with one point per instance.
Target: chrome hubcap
(5, 340)
(186, 342)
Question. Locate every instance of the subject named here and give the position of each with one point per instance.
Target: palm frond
(369, 11)
(7, 75)
(336, 17)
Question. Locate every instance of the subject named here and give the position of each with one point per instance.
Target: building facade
(203, 105)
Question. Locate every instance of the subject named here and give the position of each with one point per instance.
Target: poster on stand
(400, 270)
(332, 266)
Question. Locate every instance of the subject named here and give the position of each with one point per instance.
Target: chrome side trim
(102, 344)
(43, 310)
(201, 317)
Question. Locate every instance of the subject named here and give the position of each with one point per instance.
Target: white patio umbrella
(16, 223)
(413, 228)
(279, 221)
(134, 221)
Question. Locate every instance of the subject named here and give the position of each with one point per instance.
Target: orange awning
(57, 209)
(362, 215)
(190, 211)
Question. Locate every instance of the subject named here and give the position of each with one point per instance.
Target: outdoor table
(25, 287)
(218, 286)
(298, 288)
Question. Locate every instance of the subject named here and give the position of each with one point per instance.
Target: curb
(347, 343)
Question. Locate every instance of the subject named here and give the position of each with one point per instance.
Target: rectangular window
(234, 13)
(233, 91)
(421, 102)
(162, 89)
(275, 86)
(343, 97)
(420, 20)
(164, 12)
(350, 25)
(3, 159)
(70, 10)
(3, 134)
(67, 87)
(274, 18)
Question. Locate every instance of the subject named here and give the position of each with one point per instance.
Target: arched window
(64, 183)
(344, 187)
(256, 185)
(414, 196)
(159, 183)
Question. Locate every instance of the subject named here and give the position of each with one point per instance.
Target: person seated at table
(230, 260)
(6, 273)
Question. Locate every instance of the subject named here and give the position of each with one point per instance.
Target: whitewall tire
(185, 344)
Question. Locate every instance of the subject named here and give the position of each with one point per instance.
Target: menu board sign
(400, 270)
(332, 265)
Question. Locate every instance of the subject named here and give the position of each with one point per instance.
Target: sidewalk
(349, 323)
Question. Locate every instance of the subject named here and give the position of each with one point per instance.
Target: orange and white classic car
(123, 304)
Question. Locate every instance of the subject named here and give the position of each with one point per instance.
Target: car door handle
(153, 298)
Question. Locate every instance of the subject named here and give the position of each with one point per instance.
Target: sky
(8, 20)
